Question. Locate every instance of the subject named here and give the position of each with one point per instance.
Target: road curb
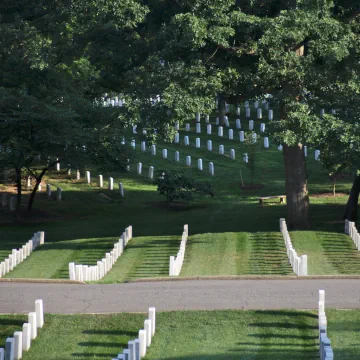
(41, 281)
(248, 277)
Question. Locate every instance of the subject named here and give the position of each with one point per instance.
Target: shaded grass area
(235, 254)
(328, 253)
(180, 335)
(51, 260)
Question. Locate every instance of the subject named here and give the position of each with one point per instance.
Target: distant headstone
(198, 117)
(188, 161)
(247, 112)
(132, 144)
(256, 104)
(221, 149)
(151, 172)
(187, 127)
(208, 129)
(246, 158)
(259, 113)
(186, 141)
(177, 156)
(88, 178)
(177, 138)
(262, 127)
(271, 114)
(78, 175)
(220, 131)
(197, 143)
(232, 154)
(200, 164)
(217, 121)
(251, 125)
(177, 126)
(211, 169)
(317, 155)
(139, 168)
(121, 189)
(111, 183)
(280, 147)
(209, 145)
(266, 142)
(238, 124)
(153, 149)
(198, 128)
(48, 190)
(254, 137)
(101, 181)
(164, 154)
(231, 134)
(207, 119)
(58, 194)
(242, 136)
(305, 151)
(238, 110)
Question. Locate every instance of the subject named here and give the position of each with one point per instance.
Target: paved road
(179, 295)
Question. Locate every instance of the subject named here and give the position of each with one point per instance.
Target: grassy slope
(84, 214)
(200, 335)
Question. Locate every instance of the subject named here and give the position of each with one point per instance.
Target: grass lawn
(84, 224)
(200, 335)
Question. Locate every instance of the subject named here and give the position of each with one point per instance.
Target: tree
(301, 52)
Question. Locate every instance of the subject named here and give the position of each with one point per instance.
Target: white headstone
(148, 328)
(143, 146)
(177, 138)
(57, 165)
(248, 112)
(187, 127)
(200, 164)
(209, 145)
(139, 168)
(88, 178)
(242, 136)
(26, 340)
(101, 181)
(58, 194)
(207, 119)
(246, 158)
(132, 144)
(9, 349)
(142, 338)
(198, 143)
(2, 353)
(17, 345)
(259, 113)
(188, 160)
(266, 142)
(232, 154)
(220, 131)
(211, 169)
(153, 149)
(198, 128)
(333, 112)
(198, 117)
(48, 190)
(164, 153)
(121, 189)
(111, 183)
(39, 309)
(322, 112)
(151, 172)
(238, 124)
(254, 137)
(32, 322)
(271, 114)
(238, 110)
(177, 156)
(186, 141)
(317, 155)
(152, 317)
(262, 127)
(231, 134)
(226, 119)
(208, 129)
(221, 149)
(256, 104)
(78, 175)
(247, 104)
(251, 125)
(280, 147)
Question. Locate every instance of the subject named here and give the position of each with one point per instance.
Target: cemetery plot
(275, 335)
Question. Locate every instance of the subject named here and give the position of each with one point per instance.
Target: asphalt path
(179, 295)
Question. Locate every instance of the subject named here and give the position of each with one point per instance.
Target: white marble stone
(200, 164)
(58, 194)
(26, 339)
(187, 127)
(211, 169)
(232, 154)
(148, 329)
(280, 147)
(198, 117)
(221, 149)
(164, 153)
(322, 296)
(48, 190)
(247, 104)
(262, 127)
(177, 138)
(131, 348)
(271, 115)
(17, 345)
(188, 161)
(142, 339)
(220, 131)
(317, 155)
(39, 310)
(139, 168)
(251, 125)
(207, 119)
(143, 146)
(153, 150)
(209, 145)
(88, 177)
(198, 128)
(78, 177)
(322, 112)
(256, 104)
(151, 172)
(266, 142)
(111, 183)
(33, 326)
(186, 141)
(238, 123)
(305, 150)
(226, 121)
(9, 349)
(247, 112)
(133, 144)
(242, 136)
(246, 158)
(121, 189)
(177, 156)
(177, 126)
(152, 317)
(259, 113)
(101, 181)
(197, 143)
(2, 353)
(209, 129)
(254, 137)
(238, 110)
(231, 134)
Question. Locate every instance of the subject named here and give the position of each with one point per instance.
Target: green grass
(200, 335)
(85, 214)
(328, 253)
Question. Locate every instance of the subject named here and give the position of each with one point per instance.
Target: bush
(174, 185)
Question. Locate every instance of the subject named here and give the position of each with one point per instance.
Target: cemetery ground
(223, 335)
(230, 234)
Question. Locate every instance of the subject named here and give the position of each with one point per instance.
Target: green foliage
(174, 185)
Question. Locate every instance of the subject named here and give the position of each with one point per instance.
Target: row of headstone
(298, 263)
(17, 256)
(98, 271)
(58, 192)
(137, 348)
(351, 230)
(325, 350)
(221, 128)
(10, 201)
(176, 263)
(21, 341)
(113, 102)
(101, 183)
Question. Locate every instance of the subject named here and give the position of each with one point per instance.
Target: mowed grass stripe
(235, 254)
(328, 253)
(144, 257)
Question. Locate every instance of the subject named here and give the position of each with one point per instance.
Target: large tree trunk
(36, 187)
(222, 109)
(297, 196)
(352, 204)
